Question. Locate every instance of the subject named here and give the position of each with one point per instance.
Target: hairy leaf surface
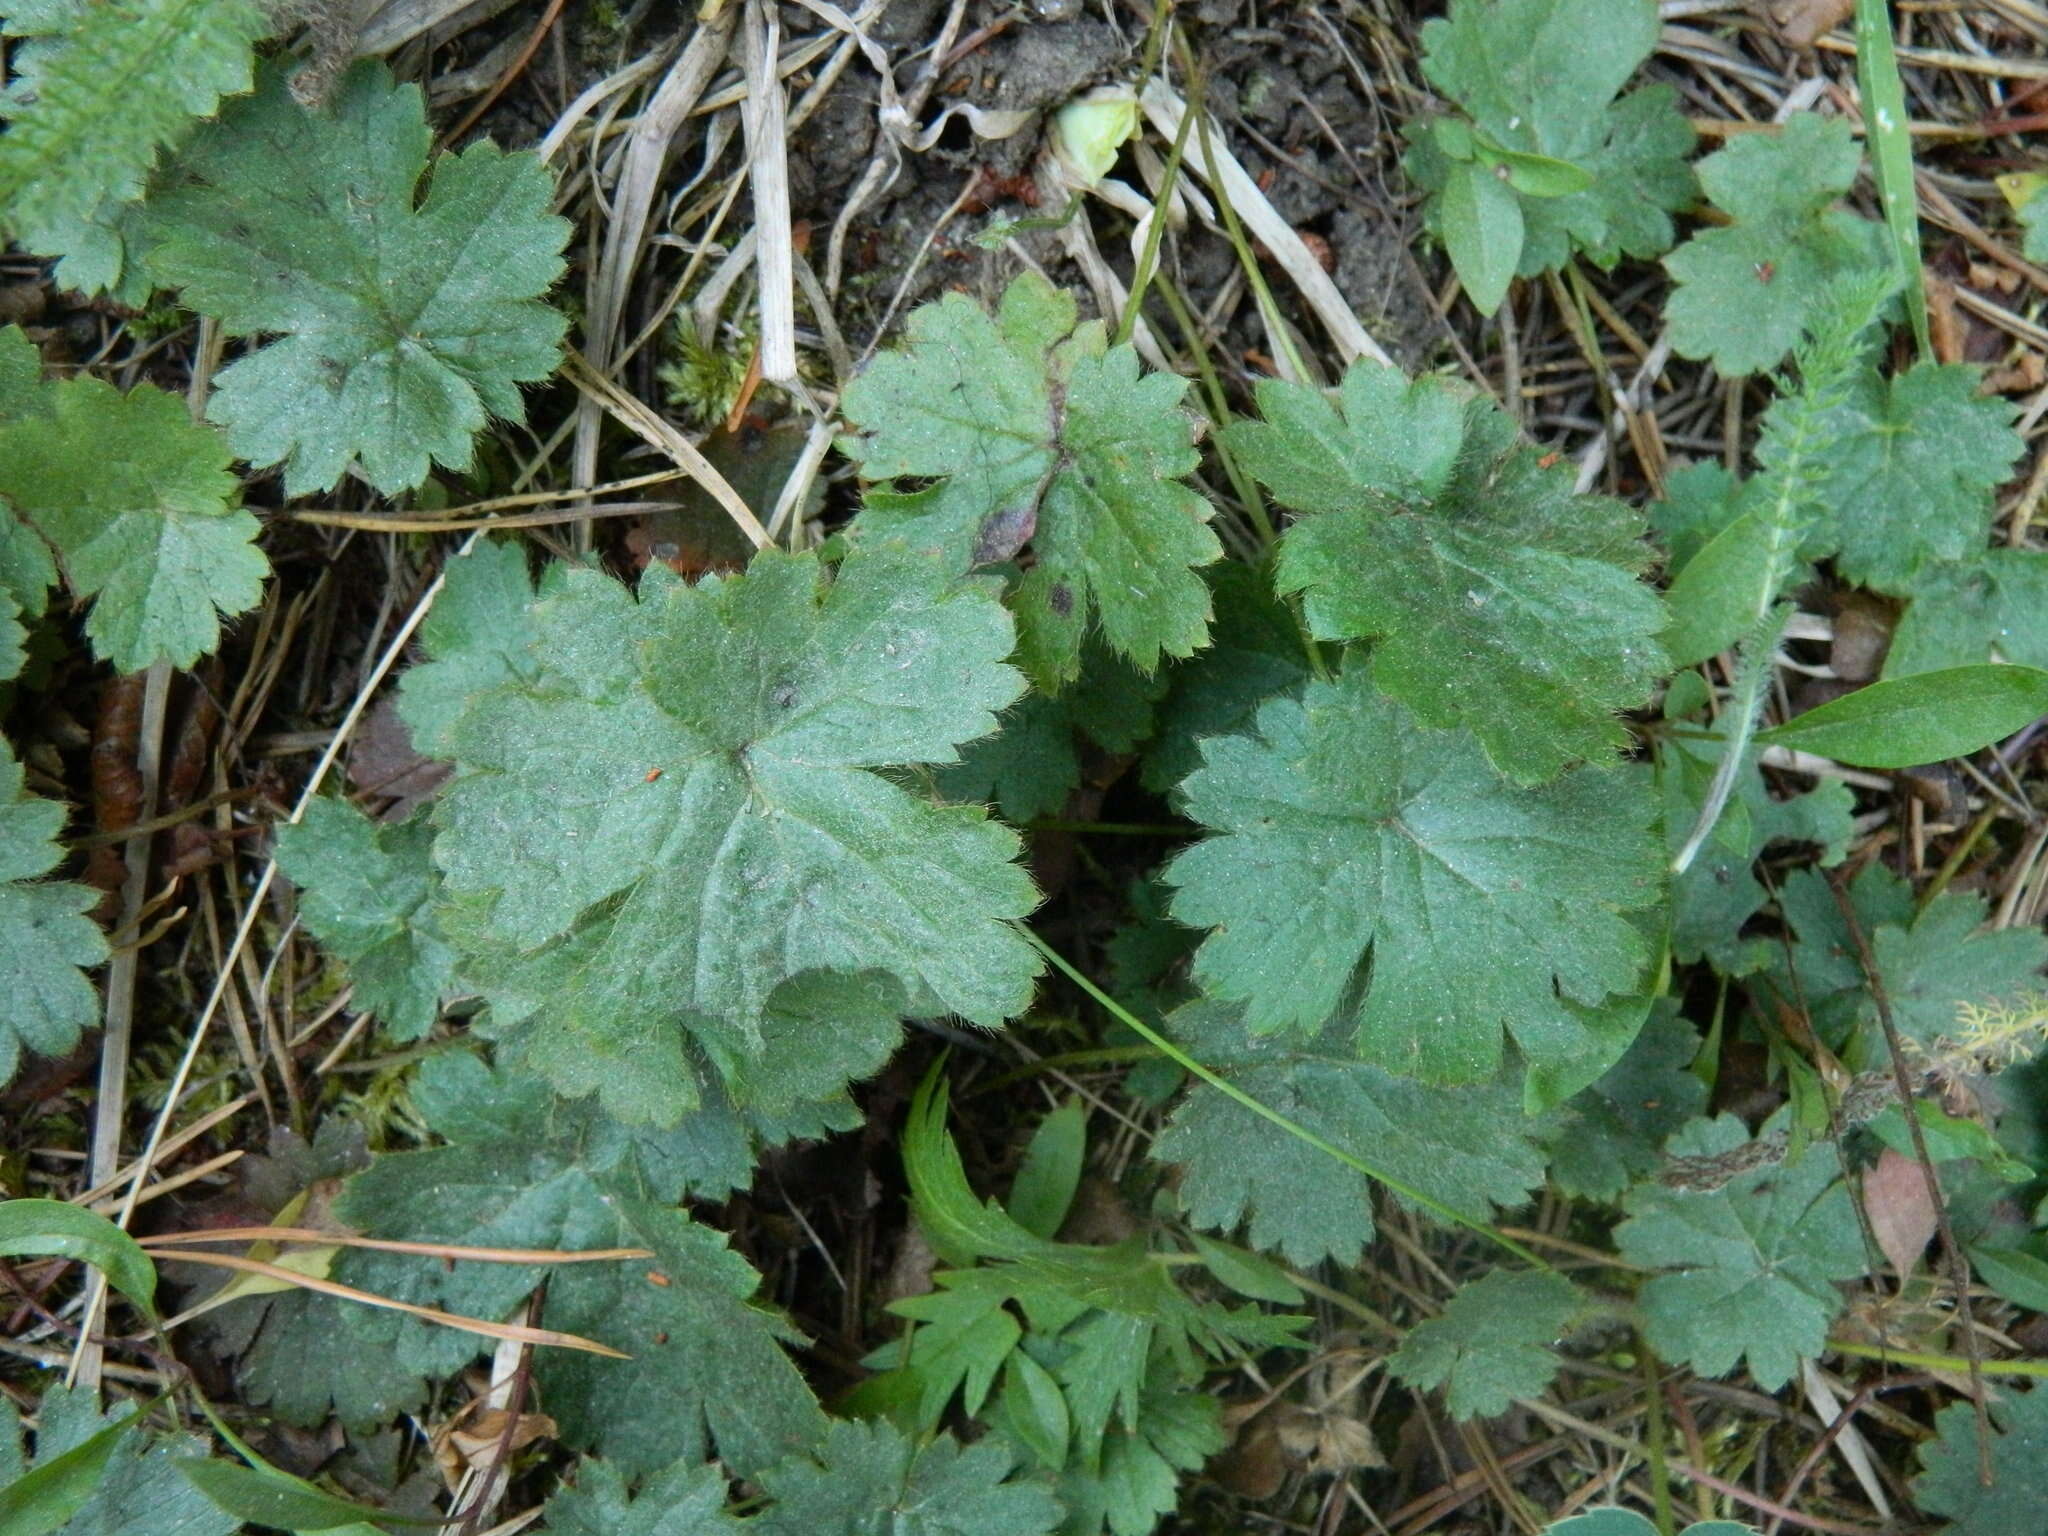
(45, 936)
(687, 1499)
(1468, 1147)
(674, 822)
(1749, 1270)
(137, 1492)
(138, 504)
(866, 1477)
(1994, 607)
(1542, 77)
(1040, 433)
(1948, 1483)
(404, 324)
(103, 88)
(1500, 601)
(1344, 831)
(1911, 471)
(1747, 289)
(1495, 1342)
(365, 893)
(524, 1170)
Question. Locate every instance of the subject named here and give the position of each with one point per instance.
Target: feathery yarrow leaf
(404, 323)
(1039, 432)
(1499, 600)
(103, 87)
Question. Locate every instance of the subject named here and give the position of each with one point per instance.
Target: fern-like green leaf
(104, 87)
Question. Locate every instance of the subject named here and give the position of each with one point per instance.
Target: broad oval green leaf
(1051, 1171)
(2017, 1274)
(1037, 1409)
(271, 1497)
(1713, 599)
(58, 1228)
(1926, 718)
(1535, 175)
(1482, 229)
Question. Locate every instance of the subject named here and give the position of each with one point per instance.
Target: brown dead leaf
(471, 1441)
(1803, 22)
(1901, 1209)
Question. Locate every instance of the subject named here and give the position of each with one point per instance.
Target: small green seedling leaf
(1587, 168)
(137, 501)
(1051, 1171)
(1496, 1341)
(46, 940)
(1481, 221)
(1747, 289)
(1040, 434)
(870, 1476)
(686, 1499)
(1926, 718)
(404, 324)
(366, 894)
(73, 1232)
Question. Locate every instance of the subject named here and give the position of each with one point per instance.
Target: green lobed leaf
(1613, 1134)
(1495, 1341)
(1748, 1270)
(1343, 831)
(686, 1499)
(478, 635)
(1038, 432)
(1991, 608)
(869, 1477)
(1499, 600)
(1949, 1486)
(710, 856)
(365, 893)
(1719, 892)
(1135, 1481)
(524, 1170)
(1626, 1522)
(1540, 79)
(1026, 769)
(1468, 1147)
(1747, 289)
(46, 940)
(137, 501)
(1912, 467)
(1256, 649)
(404, 323)
(1925, 718)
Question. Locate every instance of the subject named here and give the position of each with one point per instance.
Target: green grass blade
(1891, 152)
